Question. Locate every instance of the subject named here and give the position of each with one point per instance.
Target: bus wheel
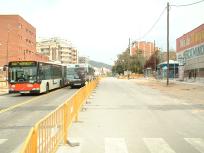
(47, 88)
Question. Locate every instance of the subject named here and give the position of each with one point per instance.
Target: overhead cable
(182, 5)
(152, 27)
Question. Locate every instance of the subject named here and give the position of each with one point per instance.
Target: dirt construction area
(190, 92)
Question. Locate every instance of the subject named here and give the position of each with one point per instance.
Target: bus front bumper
(25, 91)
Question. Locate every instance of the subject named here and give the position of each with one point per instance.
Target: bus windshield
(75, 73)
(23, 74)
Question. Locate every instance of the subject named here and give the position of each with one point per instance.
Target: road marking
(157, 145)
(2, 141)
(18, 105)
(197, 143)
(115, 145)
(24, 102)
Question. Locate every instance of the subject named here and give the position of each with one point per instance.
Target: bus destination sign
(23, 63)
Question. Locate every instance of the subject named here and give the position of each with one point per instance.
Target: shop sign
(194, 52)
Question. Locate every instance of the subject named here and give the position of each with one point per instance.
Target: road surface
(19, 113)
(124, 117)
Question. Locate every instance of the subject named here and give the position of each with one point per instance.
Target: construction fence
(131, 76)
(53, 129)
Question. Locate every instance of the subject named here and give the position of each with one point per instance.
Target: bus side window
(41, 74)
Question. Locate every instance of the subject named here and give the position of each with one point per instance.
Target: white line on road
(115, 145)
(157, 145)
(2, 141)
(197, 143)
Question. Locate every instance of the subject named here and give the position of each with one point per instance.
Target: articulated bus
(35, 77)
(79, 74)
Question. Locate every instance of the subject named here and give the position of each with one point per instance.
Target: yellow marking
(18, 105)
(23, 103)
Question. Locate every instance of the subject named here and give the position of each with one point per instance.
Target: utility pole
(155, 61)
(128, 67)
(130, 47)
(167, 72)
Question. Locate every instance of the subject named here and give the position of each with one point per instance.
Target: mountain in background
(99, 64)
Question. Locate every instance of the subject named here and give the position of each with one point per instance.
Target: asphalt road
(123, 117)
(15, 123)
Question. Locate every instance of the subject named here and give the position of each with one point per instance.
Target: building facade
(147, 49)
(190, 54)
(163, 56)
(17, 40)
(58, 50)
(83, 60)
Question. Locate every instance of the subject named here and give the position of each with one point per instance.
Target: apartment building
(18, 40)
(58, 50)
(145, 48)
(83, 60)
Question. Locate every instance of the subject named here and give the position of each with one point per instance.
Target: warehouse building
(190, 54)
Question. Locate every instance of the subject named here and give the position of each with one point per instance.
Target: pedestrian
(189, 75)
(195, 75)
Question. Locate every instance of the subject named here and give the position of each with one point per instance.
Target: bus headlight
(29, 85)
(36, 89)
(13, 86)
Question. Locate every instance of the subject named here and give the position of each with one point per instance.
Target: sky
(100, 29)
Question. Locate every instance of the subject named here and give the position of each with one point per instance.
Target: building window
(19, 25)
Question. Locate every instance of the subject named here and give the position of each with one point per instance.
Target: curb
(3, 91)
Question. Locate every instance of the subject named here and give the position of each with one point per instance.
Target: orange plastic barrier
(50, 131)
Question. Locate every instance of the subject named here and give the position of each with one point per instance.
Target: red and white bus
(35, 77)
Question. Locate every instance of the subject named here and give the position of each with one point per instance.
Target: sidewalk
(3, 87)
(191, 82)
(190, 91)
(3, 91)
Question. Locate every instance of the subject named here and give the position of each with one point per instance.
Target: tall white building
(58, 50)
(83, 60)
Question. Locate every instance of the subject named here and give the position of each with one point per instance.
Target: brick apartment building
(145, 48)
(190, 53)
(18, 40)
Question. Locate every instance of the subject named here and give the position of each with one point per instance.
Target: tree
(153, 60)
(125, 62)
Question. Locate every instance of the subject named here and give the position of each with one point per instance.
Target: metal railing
(50, 131)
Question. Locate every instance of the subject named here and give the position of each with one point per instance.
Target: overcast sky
(100, 29)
